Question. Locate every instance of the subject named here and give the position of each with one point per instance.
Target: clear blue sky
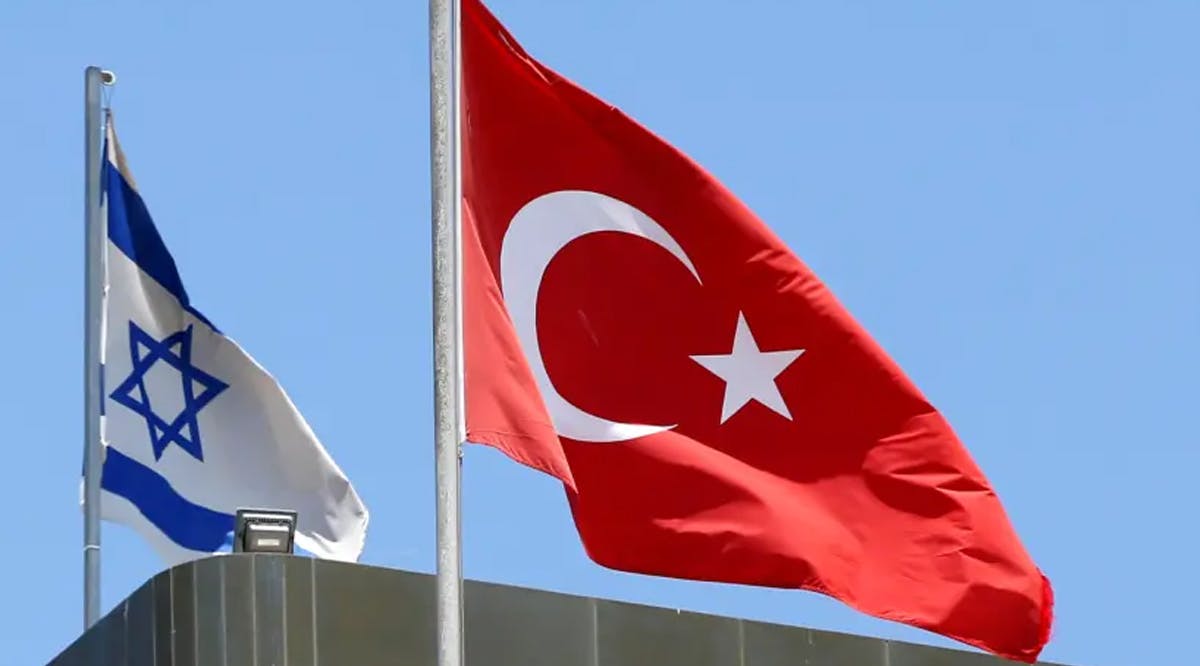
(1005, 194)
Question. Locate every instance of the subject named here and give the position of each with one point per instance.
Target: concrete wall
(263, 610)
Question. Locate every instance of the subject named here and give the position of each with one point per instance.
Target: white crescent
(538, 231)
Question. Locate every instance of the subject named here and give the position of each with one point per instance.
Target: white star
(749, 374)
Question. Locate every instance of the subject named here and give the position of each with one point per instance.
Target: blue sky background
(1005, 194)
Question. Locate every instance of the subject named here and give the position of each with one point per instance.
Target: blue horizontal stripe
(132, 230)
(192, 526)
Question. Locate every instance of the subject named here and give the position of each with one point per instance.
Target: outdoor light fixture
(264, 531)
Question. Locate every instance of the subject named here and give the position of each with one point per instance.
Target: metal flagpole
(446, 181)
(93, 315)
(93, 309)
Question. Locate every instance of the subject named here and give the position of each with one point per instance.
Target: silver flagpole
(449, 430)
(93, 314)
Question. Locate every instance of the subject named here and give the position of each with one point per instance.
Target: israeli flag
(193, 428)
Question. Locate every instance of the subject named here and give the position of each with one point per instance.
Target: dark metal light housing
(265, 531)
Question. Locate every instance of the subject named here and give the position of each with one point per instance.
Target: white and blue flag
(193, 428)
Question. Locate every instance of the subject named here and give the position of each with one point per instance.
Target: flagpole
(449, 428)
(93, 314)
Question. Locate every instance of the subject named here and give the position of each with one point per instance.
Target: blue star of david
(199, 389)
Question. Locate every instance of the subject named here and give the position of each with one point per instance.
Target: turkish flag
(634, 330)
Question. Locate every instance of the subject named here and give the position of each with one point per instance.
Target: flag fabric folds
(713, 411)
(193, 427)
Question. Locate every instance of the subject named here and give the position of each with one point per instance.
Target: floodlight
(264, 531)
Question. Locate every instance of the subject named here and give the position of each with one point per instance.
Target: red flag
(634, 330)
